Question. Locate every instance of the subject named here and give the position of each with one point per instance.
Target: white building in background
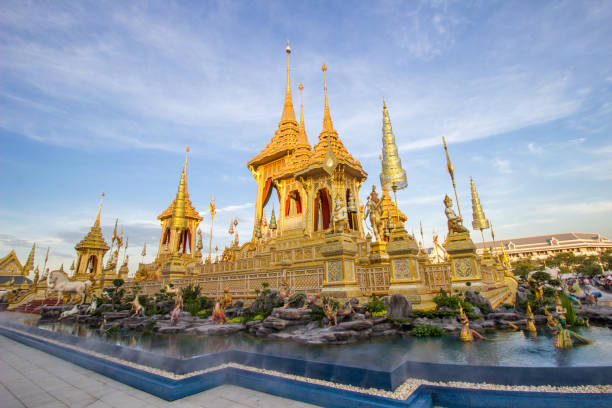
(543, 246)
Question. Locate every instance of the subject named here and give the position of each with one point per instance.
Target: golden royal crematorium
(317, 243)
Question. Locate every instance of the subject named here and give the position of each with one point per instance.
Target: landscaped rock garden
(310, 324)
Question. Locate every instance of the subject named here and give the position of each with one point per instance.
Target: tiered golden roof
(285, 139)
(94, 239)
(185, 208)
(393, 175)
(389, 208)
(303, 150)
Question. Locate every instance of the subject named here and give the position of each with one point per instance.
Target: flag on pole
(449, 165)
(144, 249)
(115, 231)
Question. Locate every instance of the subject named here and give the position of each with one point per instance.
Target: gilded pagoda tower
(91, 251)
(179, 224)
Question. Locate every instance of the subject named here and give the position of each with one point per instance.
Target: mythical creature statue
(287, 297)
(455, 223)
(530, 320)
(136, 307)
(467, 334)
(70, 312)
(374, 211)
(58, 281)
(227, 298)
(218, 314)
(564, 338)
(330, 310)
(340, 215)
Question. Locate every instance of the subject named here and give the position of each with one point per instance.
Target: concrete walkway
(34, 379)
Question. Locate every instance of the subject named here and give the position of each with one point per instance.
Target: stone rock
(511, 316)
(232, 312)
(358, 316)
(217, 329)
(596, 313)
(291, 313)
(109, 316)
(354, 325)
(477, 300)
(239, 304)
(164, 327)
(399, 307)
(488, 324)
(354, 301)
(382, 327)
(265, 301)
(390, 332)
(312, 326)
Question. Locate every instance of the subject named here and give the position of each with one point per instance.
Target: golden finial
(479, 221)
(288, 112)
(99, 211)
(328, 126)
(186, 155)
(302, 138)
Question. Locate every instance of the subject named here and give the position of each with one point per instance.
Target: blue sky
(104, 96)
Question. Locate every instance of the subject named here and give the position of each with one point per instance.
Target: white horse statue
(58, 281)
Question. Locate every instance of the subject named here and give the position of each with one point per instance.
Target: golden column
(212, 217)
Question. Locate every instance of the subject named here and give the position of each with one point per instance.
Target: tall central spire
(178, 213)
(328, 125)
(288, 112)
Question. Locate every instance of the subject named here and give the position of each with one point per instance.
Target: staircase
(33, 306)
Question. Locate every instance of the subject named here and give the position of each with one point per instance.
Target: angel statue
(455, 223)
(374, 210)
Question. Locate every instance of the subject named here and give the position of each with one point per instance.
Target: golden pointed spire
(302, 137)
(393, 175)
(288, 112)
(451, 171)
(30, 262)
(94, 239)
(97, 223)
(328, 125)
(178, 212)
(479, 222)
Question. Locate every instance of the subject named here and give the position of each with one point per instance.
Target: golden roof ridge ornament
(302, 137)
(393, 175)
(328, 125)
(288, 111)
(479, 221)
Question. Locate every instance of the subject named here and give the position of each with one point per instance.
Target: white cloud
(502, 165)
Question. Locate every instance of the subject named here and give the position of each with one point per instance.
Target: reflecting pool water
(505, 348)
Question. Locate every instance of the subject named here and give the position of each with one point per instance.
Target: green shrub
(468, 283)
(427, 330)
(192, 306)
(151, 310)
(570, 316)
(375, 305)
(190, 293)
(204, 313)
(378, 314)
(236, 320)
(317, 314)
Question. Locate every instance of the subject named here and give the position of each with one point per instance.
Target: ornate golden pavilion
(309, 245)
